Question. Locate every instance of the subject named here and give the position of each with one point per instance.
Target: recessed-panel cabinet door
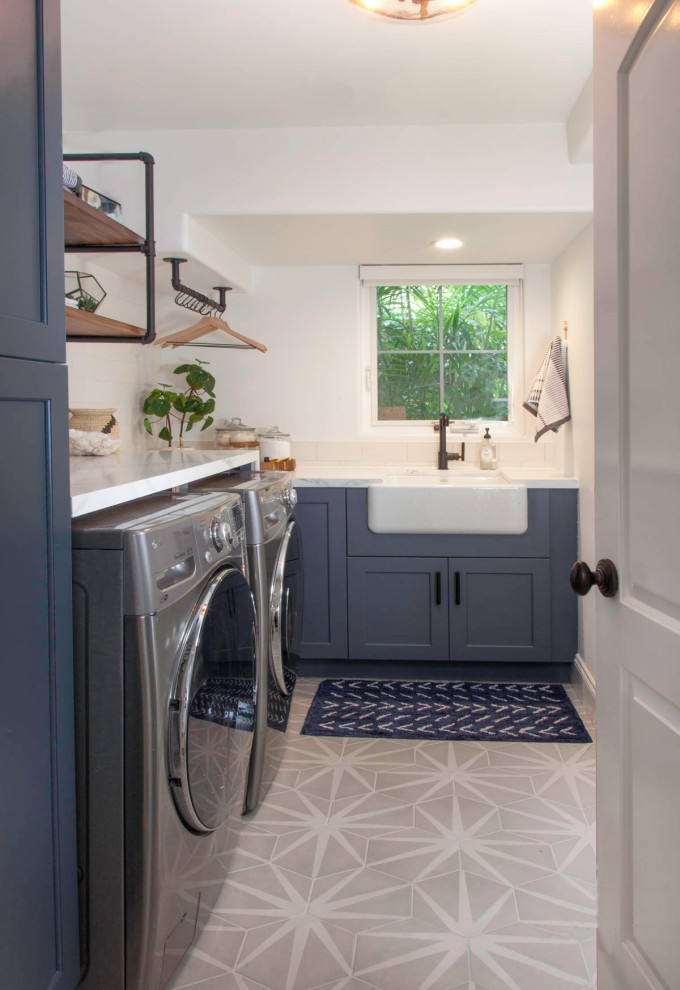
(38, 896)
(397, 608)
(320, 514)
(500, 609)
(32, 322)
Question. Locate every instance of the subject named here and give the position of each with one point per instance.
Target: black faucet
(444, 456)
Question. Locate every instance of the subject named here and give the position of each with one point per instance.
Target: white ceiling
(397, 239)
(159, 64)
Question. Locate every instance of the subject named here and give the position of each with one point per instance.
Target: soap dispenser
(487, 453)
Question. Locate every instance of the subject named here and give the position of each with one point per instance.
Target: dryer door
(285, 609)
(212, 705)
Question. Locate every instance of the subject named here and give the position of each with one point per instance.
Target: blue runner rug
(444, 710)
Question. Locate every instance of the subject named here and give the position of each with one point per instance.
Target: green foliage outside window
(442, 348)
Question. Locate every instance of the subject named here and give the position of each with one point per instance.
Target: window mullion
(441, 349)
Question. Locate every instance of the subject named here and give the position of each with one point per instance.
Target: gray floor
(403, 865)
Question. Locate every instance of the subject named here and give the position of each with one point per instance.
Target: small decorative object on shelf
(94, 421)
(82, 443)
(100, 202)
(188, 407)
(83, 291)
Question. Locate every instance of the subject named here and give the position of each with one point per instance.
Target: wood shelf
(80, 323)
(84, 225)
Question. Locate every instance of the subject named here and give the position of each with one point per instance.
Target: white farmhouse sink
(463, 502)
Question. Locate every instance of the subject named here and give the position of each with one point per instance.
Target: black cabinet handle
(457, 587)
(438, 588)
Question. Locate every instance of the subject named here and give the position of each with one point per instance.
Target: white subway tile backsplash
(338, 451)
(422, 454)
(304, 450)
(384, 453)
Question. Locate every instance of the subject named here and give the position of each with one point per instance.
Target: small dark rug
(444, 710)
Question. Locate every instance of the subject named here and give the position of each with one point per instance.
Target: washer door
(285, 607)
(213, 704)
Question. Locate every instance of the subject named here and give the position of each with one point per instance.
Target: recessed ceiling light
(447, 243)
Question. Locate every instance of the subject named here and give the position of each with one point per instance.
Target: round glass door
(213, 703)
(285, 609)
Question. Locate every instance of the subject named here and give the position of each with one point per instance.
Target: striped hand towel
(548, 397)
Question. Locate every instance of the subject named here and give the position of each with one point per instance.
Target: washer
(165, 637)
(275, 559)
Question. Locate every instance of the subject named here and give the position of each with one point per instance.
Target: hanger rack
(211, 313)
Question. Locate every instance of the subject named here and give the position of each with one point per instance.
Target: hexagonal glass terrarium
(83, 291)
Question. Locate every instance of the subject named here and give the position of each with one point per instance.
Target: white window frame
(374, 275)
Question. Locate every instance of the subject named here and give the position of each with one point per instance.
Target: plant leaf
(208, 422)
(165, 434)
(147, 427)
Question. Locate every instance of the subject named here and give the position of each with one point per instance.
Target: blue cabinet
(499, 609)
(320, 514)
(398, 608)
(38, 894)
(374, 597)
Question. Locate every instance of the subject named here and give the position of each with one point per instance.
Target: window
(442, 344)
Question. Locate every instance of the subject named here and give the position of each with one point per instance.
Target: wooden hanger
(200, 329)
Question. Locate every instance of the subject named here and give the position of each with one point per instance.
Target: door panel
(397, 608)
(321, 517)
(500, 609)
(32, 322)
(637, 241)
(38, 897)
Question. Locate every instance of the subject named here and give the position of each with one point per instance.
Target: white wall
(572, 300)
(309, 381)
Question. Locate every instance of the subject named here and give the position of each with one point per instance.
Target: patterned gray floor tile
(297, 953)
(457, 817)
(464, 903)
(361, 900)
(320, 851)
(518, 958)
(379, 864)
(412, 956)
(337, 781)
(507, 858)
(371, 814)
(413, 854)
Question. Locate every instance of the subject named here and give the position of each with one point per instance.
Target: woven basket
(94, 421)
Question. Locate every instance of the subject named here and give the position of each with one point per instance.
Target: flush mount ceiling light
(413, 10)
(447, 243)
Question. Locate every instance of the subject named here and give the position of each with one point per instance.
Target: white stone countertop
(100, 482)
(318, 474)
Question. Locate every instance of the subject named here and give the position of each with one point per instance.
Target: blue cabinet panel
(32, 321)
(361, 542)
(38, 894)
(563, 553)
(397, 608)
(500, 609)
(321, 516)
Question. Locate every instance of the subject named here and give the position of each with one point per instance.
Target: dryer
(276, 573)
(165, 636)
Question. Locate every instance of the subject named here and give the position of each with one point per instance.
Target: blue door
(38, 892)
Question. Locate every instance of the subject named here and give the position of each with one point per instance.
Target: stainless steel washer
(275, 558)
(165, 637)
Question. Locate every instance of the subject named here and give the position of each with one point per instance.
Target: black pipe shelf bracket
(147, 247)
(195, 301)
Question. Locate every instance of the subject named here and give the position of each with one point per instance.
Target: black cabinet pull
(438, 588)
(457, 587)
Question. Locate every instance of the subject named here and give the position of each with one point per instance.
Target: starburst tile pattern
(395, 864)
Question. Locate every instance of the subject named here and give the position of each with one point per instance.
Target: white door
(637, 338)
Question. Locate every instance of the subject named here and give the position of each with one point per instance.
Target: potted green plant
(188, 407)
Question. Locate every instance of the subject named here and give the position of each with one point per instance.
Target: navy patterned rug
(444, 710)
(230, 701)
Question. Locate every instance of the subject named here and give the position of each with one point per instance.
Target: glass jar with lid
(274, 444)
(235, 434)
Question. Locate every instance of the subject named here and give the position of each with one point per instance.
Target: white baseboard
(582, 675)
